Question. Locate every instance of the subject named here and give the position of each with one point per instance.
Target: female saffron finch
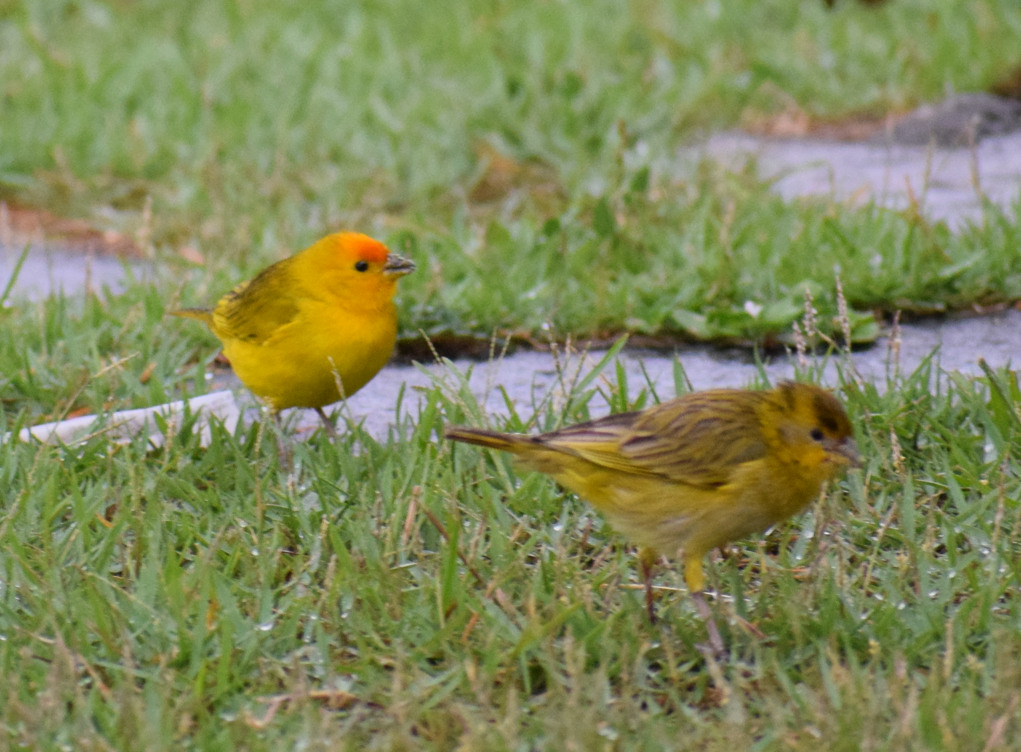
(312, 328)
(696, 472)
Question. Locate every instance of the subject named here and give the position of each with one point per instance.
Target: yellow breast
(324, 354)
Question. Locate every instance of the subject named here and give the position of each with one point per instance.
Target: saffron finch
(314, 327)
(696, 472)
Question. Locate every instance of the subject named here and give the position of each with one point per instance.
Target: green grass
(94, 353)
(155, 599)
(255, 127)
(726, 261)
(149, 599)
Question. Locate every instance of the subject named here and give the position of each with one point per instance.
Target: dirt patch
(469, 347)
(1009, 86)
(959, 120)
(796, 123)
(21, 225)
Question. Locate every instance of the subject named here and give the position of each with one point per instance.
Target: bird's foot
(285, 453)
(715, 641)
(647, 559)
(650, 602)
(331, 430)
(707, 651)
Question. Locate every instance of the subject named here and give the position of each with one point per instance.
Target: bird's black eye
(362, 266)
(816, 435)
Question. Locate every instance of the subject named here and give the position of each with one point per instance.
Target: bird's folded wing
(254, 310)
(596, 441)
(685, 441)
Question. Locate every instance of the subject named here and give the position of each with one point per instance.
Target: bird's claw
(331, 430)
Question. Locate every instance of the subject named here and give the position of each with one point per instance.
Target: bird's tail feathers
(505, 442)
(205, 315)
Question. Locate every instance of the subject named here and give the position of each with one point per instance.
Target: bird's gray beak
(397, 266)
(847, 450)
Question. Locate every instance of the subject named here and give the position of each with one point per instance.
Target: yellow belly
(656, 513)
(316, 359)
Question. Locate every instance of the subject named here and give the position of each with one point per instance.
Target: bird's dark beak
(847, 451)
(397, 266)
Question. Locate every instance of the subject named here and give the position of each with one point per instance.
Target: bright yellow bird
(696, 472)
(312, 328)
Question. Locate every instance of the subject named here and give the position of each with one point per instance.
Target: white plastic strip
(123, 426)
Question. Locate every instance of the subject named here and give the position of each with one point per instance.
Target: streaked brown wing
(254, 310)
(697, 439)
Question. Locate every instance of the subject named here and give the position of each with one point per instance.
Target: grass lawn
(211, 599)
(524, 152)
(525, 155)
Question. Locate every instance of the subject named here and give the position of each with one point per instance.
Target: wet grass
(210, 598)
(525, 153)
